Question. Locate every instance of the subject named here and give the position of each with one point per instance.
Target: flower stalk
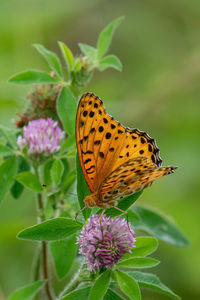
(74, 283)
(44, 254)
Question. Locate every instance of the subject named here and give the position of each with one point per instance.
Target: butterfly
(115, 161)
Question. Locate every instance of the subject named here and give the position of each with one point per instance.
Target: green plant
(56, 95)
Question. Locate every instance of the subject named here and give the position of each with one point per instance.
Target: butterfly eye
(89, 201)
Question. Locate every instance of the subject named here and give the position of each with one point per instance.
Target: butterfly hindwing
(131, 177)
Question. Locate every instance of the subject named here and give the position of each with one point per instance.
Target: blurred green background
(158, 91)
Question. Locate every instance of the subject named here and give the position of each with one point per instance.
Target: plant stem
(35, 274)
(76, 280)
(41, 216)
(41, 207)
(35, 269)
(45, 270)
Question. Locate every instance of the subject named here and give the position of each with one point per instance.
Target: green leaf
(143, 246)
(71, 153)
(9, 135)
(111, 295)
(66, 184)
(8, 171)
(89, 51)
(67, 144)
(158, 226)
(110, 61)
(67, 54)
(128, 285)
(31, 77)
(105, 37)
(5, 150)
(51, 58)
(139, 262)
(48, 209)
(27, 292)
(50, 230)
(100, 286)
(82, 189)
(46, 174)
(57, 171)
(66, 170)
(17, 188)
(66, 108)
(132, 216)
(151, 281)
(78, 294)
(77, 64)
(30, 181)
(123, 204)
(61, 251)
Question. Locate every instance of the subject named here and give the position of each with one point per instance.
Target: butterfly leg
(79, 211)
(124, 212)
(103, 211)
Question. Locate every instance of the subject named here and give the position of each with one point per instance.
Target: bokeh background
(158, 91)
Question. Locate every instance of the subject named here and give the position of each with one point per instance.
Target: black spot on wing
(108, 135)
(101, 128)
(91, 114)
(101, 154)
(105, 120)
(87, 160)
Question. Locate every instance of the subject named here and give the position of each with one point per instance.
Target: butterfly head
(90, 201)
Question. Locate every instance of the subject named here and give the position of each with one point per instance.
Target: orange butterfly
(115, 161)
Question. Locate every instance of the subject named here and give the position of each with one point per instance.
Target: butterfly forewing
(138, 143)
(97, 139)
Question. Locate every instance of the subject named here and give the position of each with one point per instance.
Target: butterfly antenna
(79, 211)
(53, 188)
(126, 213)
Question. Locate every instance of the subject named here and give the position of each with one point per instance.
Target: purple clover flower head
(41, 137)
(104, 244)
